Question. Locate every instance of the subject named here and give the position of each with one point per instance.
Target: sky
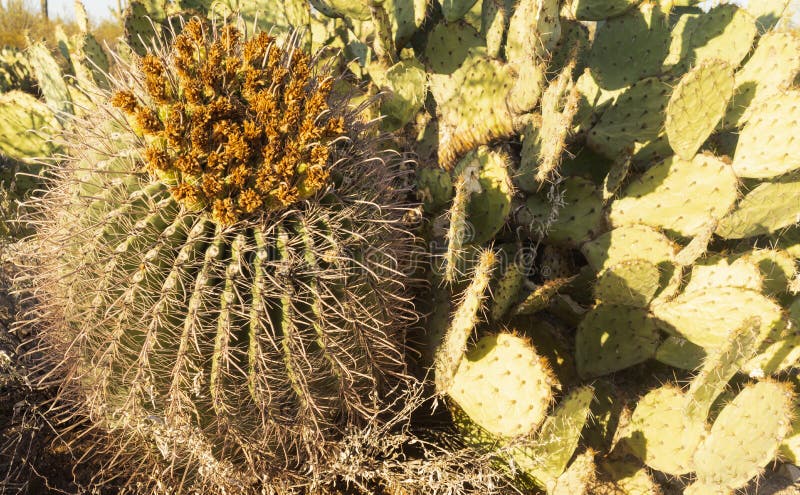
(97, 9)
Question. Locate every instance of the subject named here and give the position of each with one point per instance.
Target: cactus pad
(769, 207)
(635, 118)
(629, 283)
(662, 435)
(477, 113)
(547, 458)
(745, 436)
(696, 106)
(597, 10)
(678, 195)
(50, 79)
(611, 338)
(434, 188)
(541, 296)
(767, 146)
(680, 353)
(717, 271)
(615, 62)
(578, 220)
(626, 243)
(503, 386)
(707, 317)
(406, 84)
(140, 27)
(486, 175)
(770, 69)
(454, 10)
(726, 33)
(21, 116)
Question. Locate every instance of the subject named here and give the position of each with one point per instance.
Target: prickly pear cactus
(224, 260)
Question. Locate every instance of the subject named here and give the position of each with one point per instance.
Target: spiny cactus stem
(556, 122)
(454, 344)
(457, 230)
(384, 40)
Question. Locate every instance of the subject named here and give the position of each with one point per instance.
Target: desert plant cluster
(401, 247)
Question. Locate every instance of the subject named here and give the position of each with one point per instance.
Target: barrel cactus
(222, 264)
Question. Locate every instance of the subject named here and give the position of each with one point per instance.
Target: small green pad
(454, 10)
(22, 117)
(50, 79)
(696, 106)
(578, 220)
(746, 435)
(769, 207)
(777, 268)
(486, 174)
(680, 353)
(726, 33)
(448, 47)
(708, 316)
(503, 386)
(611, 338)
(636, 117)
(630, 47)
(628, 283)
(626, 243)
(406, 85)
(140, 30)
(717, 271)
(662, 435)
(597, 10)
(434, 188)
(720, 365)
(678, 195)
(549, 454)
(541, 297)
(768, 144)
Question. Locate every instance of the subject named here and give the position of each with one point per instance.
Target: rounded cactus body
(223, 264)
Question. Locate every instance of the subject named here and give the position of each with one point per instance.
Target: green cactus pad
(770, 70)
(778, 356)
(527, 88)
(681, 34)
(707, 317)
(628, 283)
(597, 10)
(434, 188)
(541, 296)
(767, 146)
(487, 179)
(617, 174)
(448, 47)
(477, 113)
(678, 195)
(777, 268)
(578, 220)
(627, 243)
(574, 40)
(680, 353)
(769, 207)
(626, 477)
(662, 435)
(594, 101)
(718, 271)
(698, 488)
(50, 79)
(141, 27)
(547, 458)
(495, 15)
(94, 59)
(767, 13)
(406, 87)
(454, 10)
(354, 9)
(507, 290)
(406, 18)
(696, 106)
(503, 386)
(720, 365)
(635, 118)
(22, 117)
(726, 33)
(746, 435)
(611, 338)
(615, 62)
(578, 477)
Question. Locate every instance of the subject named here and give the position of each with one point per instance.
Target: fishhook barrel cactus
(223, 263)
